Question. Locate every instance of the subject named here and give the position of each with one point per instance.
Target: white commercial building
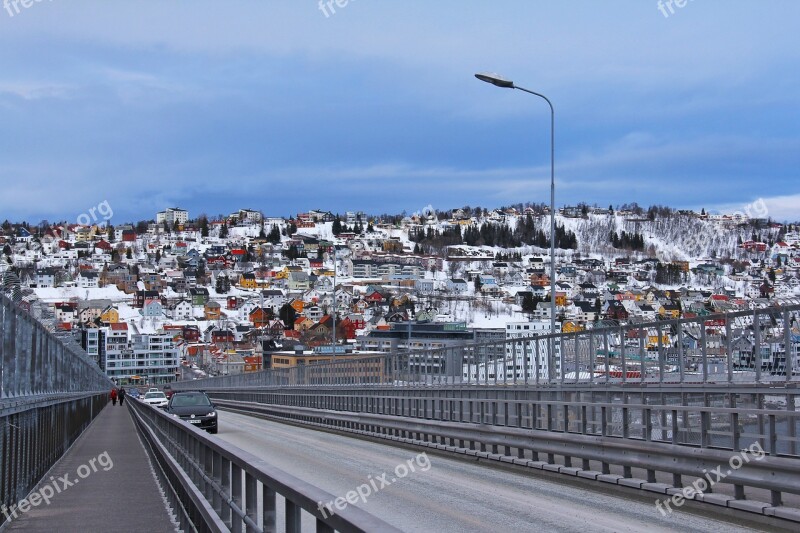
(534, 351)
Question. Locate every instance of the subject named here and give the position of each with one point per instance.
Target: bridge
(679, 424)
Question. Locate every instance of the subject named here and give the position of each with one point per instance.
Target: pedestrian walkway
(104, 483)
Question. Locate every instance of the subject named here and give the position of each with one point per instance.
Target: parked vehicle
(156, 399)
(194, 407)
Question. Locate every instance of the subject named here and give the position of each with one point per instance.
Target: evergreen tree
(223, 284)
(528, 304)
(274, 236)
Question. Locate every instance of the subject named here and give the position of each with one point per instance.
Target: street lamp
(333, 315)
(499, 81)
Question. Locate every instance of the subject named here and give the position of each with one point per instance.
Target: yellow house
(110, 316)
(571, 327)
(561, 299)
(212, 311)
(670, 311)
(303, 323)
(248, 281)
(652, 339)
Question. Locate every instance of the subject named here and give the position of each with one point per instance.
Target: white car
(156, 399)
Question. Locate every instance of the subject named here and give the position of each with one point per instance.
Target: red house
(220, 336)
(191, 333)
(260, 317)
(348, 328)
(375, 298)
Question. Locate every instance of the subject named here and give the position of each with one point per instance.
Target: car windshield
(187, 400)
(157, 395)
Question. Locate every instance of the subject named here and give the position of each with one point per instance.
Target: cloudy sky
(274, 105)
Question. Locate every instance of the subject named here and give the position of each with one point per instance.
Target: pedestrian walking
(113, 396)
(121, 395)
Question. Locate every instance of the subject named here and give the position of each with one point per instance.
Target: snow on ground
(63, 294)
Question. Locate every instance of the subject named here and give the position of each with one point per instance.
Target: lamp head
(495, 79)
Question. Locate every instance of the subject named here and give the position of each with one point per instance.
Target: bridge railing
(758, 346)
(601, 443)
(50, 391)
(215, 486)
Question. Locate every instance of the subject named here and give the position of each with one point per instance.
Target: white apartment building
(535, 351)
(172, 216)
(151, 359)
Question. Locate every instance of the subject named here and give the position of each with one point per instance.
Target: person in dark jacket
(113, 396)
(121, 395)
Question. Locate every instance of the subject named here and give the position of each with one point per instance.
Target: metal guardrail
(723, 420)
(742, 347)
(50, 391)
(34, 360)
(215, 486)
(522, 446)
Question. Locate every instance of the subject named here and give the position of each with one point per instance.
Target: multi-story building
(46, 277)
(424, 342)
(151, 359)
(172, 216)
(533, 353)
(93, 341)
(248, 216)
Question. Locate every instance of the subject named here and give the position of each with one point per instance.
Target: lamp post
(499, 81)
(333, 304)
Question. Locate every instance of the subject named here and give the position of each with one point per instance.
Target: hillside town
(182, 297)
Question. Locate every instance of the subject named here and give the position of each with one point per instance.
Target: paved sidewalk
(105, 483)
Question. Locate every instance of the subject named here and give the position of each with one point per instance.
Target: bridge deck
(94, 495)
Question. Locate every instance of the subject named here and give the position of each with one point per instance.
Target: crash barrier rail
(754, 468)
(215, 486)
(724, 417)
(758, 346)
(50, 391)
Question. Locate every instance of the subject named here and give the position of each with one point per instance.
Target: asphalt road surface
(430, 493)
